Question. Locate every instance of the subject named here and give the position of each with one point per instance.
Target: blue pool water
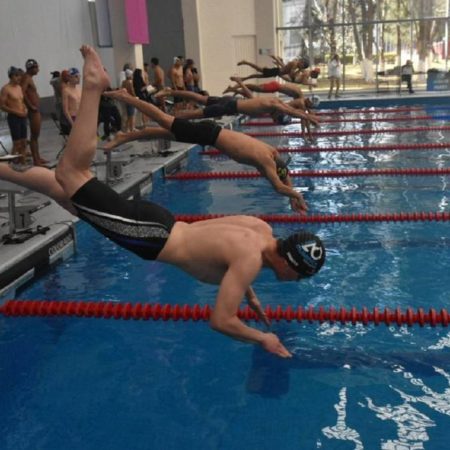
(99, 384)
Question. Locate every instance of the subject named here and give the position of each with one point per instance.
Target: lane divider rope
(330, 218)
(165, 312)
(269, 123)
(189, 176)
(380, 110)
(349, 132)
(349, 148)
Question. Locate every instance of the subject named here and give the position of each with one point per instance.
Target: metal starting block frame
(19, 217)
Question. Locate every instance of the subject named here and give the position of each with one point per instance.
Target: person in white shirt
(334, 75)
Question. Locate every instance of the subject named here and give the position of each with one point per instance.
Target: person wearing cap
(32, 101)
(13, 103)
(281, 112)
(71, 95)
(287, 71)
(238, 146)
(276, 108)
(228, 252)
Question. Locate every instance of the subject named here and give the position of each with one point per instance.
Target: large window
(374, 38)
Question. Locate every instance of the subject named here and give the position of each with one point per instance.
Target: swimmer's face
(15, 78)
(75, 79)
(286, 273)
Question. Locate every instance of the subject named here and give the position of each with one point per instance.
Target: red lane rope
(350, 132)
(269, 123)
(370, 111)
(330, 218)
(165, 312)
(367, 148)
(187, 176)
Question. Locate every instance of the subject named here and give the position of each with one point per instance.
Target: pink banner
(137, 21)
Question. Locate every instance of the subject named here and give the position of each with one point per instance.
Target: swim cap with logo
(304, 252)
(30, 63)
(315, 100)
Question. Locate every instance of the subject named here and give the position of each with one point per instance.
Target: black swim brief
(220, 106)
(139, 226)
(17, 127)
(270, 72)
(204, 132)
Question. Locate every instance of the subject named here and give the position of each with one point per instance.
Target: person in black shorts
(288, 71)
(238, 146)
(12, 101)
(228, 251)
(229, 105)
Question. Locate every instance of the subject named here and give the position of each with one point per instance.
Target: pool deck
(50, 230)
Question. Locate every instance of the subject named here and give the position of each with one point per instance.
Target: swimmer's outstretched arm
(224, 317)
(286, 109)
(284, 187)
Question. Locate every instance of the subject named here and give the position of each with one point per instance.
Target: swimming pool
(98, 384)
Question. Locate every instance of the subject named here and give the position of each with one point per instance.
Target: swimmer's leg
(73, 170)
(163, 119)
(37, 179)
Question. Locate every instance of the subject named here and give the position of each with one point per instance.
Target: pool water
(106, 384)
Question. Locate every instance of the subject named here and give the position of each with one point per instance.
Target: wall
(166, 32)
(200, 29)
(28, 30)
(210, 27)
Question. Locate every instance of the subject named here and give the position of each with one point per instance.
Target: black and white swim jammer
(139, 226)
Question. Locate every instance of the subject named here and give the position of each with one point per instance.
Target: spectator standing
(177, 81)
(158, 80)
(71, 95)
(13, 103)
(32, 101)
(334, 75)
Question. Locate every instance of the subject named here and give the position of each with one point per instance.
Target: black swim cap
(13, 71)
(304, 252)
(305, 61)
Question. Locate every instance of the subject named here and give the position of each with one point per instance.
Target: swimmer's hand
(255, 304)
(314, 119)
(272, 344)
(299, 205)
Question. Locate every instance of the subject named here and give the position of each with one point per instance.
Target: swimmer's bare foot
(118, 139)
(243, 62)
(94, 75)
(166, 92)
